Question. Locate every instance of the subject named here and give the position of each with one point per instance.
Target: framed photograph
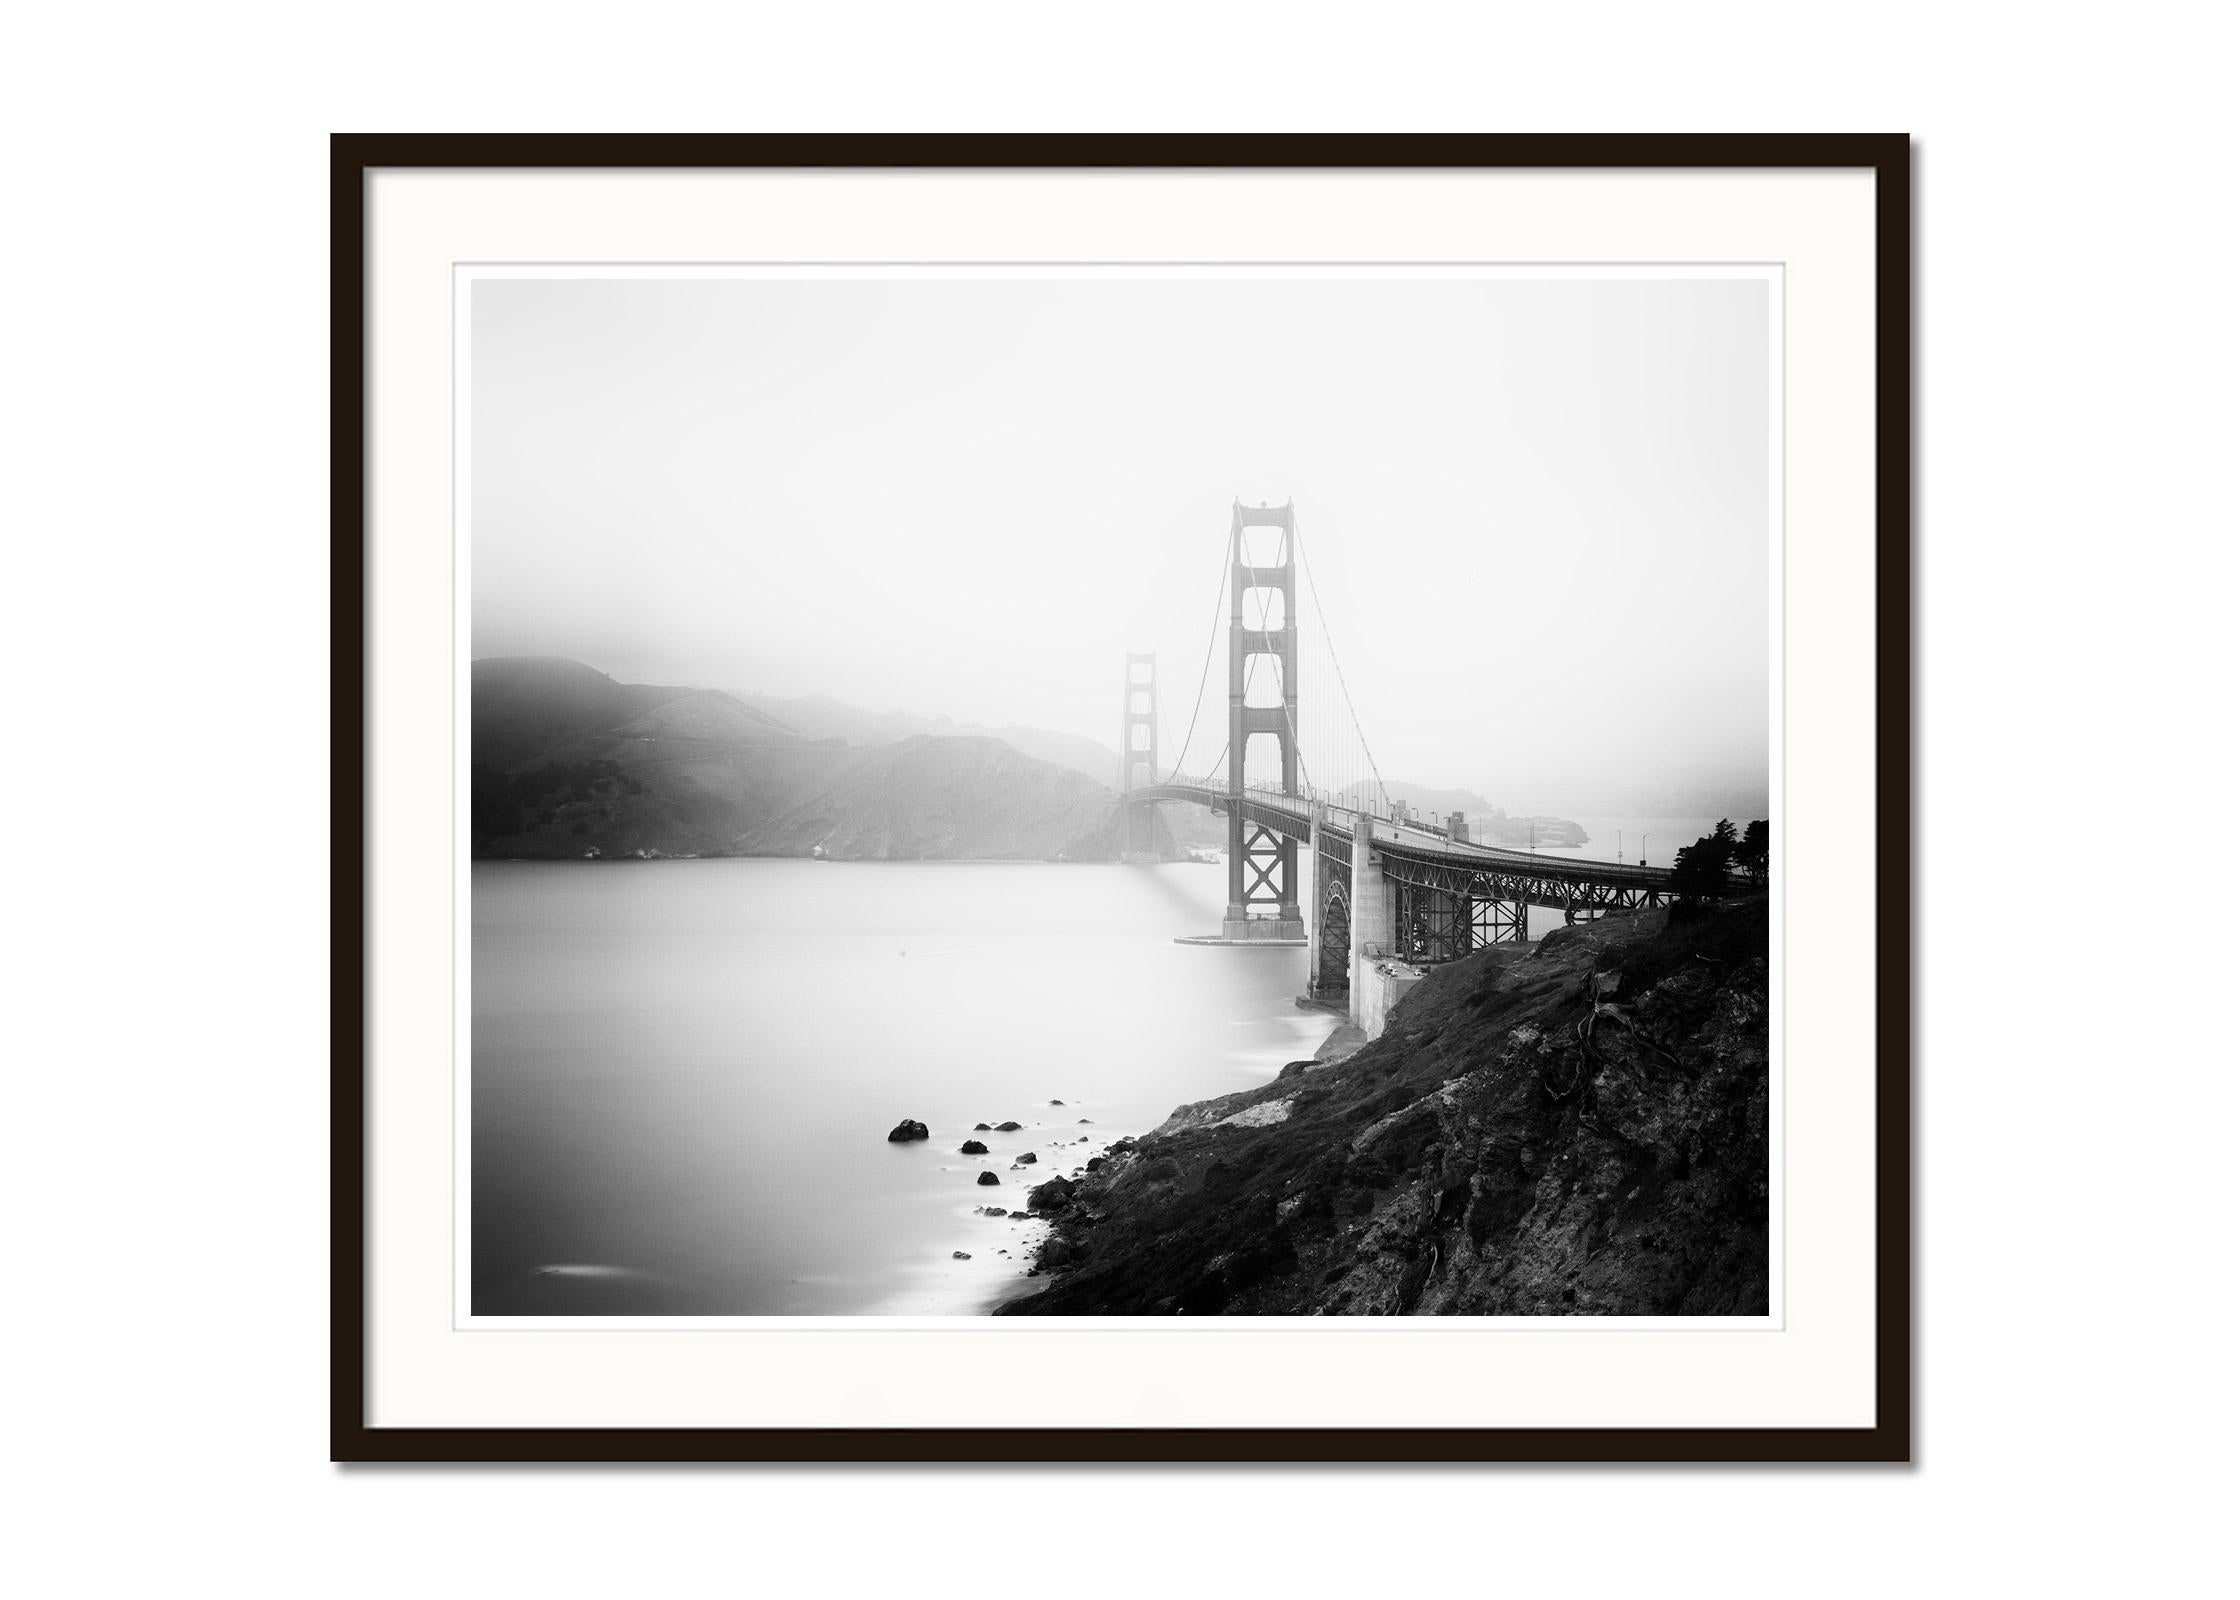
(1121, 798)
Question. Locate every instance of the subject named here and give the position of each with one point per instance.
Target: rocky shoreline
(993, 1166)
(1577, 1127)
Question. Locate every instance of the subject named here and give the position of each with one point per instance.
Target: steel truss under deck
(1333, 956)
(1441, 911)
(1447, 899)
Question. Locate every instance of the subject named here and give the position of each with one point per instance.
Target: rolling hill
(568, 762)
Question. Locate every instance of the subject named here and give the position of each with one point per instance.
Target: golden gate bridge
(1379, 888)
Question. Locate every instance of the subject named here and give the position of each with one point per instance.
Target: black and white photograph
(1232, 799)
(1153, 791)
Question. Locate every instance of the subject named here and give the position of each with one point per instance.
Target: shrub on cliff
(1752, 854)
(1699, 870)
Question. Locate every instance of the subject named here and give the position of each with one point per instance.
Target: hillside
(1432, 802)
(1573, 1128)
(1489, 824)
(927, 798)
(525, 705)
(568, 762)
(822, 717)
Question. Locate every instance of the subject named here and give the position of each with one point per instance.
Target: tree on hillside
(1699, 870)
(1752, 855)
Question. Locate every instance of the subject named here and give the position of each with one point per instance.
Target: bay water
(684, 1072)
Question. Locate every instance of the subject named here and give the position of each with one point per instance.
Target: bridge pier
(1329, 919)
(1369, 905)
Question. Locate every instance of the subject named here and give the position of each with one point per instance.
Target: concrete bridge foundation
(1329, 918)
(1369, 907)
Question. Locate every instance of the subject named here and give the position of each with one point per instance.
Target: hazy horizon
(1535, 510)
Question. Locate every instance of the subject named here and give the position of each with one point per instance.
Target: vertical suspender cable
(1205, 671)
(1324, 614)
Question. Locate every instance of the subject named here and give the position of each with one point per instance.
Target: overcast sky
(1536, 511)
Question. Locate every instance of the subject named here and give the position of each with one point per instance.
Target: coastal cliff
(1572, 1128)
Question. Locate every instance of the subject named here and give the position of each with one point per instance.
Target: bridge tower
(1263, 864)
(1139, 759)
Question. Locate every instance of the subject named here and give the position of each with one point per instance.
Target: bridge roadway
(1427, 858)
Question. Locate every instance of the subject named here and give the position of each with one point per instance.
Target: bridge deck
(1292, 816)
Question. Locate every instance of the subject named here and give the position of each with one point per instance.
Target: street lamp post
(1644, 849)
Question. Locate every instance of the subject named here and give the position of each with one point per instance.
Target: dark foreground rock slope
(1578, 1128)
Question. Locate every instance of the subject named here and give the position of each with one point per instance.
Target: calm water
(684, 1071)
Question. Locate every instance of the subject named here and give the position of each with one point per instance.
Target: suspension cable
(1322, 612)
(1213, 633)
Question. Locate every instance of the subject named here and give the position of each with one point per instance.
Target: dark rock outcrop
(905, 1131)
(1025, 1160)
(972, 1147)
(989, 1178)
(1007, 1127)
(1573, 1128)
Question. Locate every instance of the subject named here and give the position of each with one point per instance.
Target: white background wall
(164, 484)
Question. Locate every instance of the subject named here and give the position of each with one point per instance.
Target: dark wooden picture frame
(355, 157)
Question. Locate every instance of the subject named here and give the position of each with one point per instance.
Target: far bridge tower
(1139, 759)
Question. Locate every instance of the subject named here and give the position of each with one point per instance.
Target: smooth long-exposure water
(684, 1072)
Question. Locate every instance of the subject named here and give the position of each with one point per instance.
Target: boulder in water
(989, 1178)
(1026, 1160)
(1007, 1127)
(972, 1147)
(906, 1130)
